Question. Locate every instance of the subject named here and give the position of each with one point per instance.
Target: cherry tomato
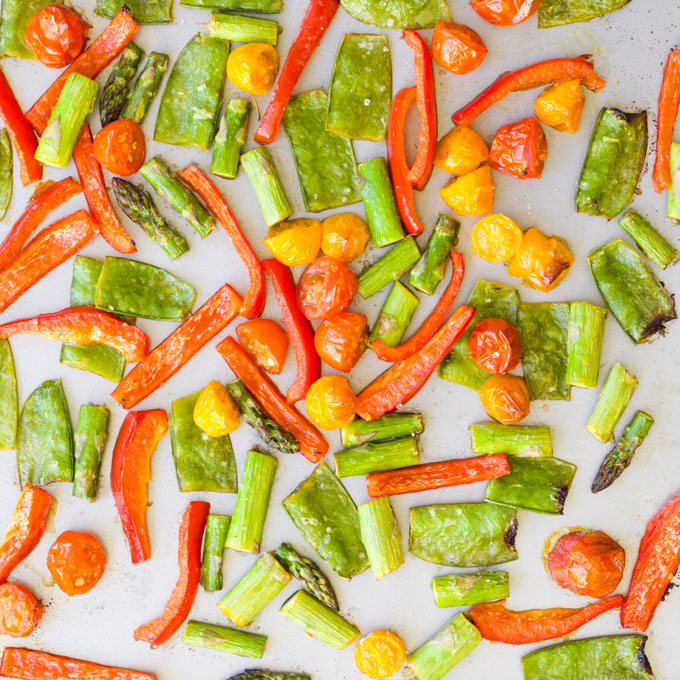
(56, 35)
(560, 105)
(76, 561)
(505, 12)
(341, 340)
(331, 403)
(472, 194)
(325, 288)
(519, 149)
(505, 398)
(457, 48)
(460, 151)
(266, 342)
(495, 238)
(495, 346)
(253, 67)
(121, 147)
(380, 654)
(294, 242)
(215, 411)
(344, 236)
(20, 611)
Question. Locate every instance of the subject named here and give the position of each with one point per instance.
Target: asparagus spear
(222, 639)
(648, 239)
(463, 590)
(243, 29)
(6, 176)
(585, 331)
(138, 205)
(214, 542)
(389, 426)
(614, 398)
(395, 315)
(382, 215)
(230, 138)
(381, 535)
(89, 441)
(525, 440)
(429, 269)
(262, 174)
(117, 88)
(377, 457)
(146, 88)
(390, 267)
(269, 675)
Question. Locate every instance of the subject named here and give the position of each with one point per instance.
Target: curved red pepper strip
(427, 110)
(399, 383)
(421, 337)
(396, 156)
(314, 24)
(253, 302)
(130, 475)
(669, 98)
(177, 609)
(498, 624)
(658, 560)
(535, 75)
(25, 528)
(299, 329)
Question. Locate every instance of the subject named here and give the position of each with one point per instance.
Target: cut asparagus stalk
(674, 189)
(146, 88)
(89, 441)
(243, 29)
(382, 214)
(464, 590)
(389, 426)
(395, 315)
(319, 621)
(377, 457)
(430, 268)
(117, 88)
(390, 267)
(586, 328)
(269, 675)
(614, 398)
(381, 535)
(245, 530)
(214, 542)
(260, 585)
(262, 174)
(621, 456)
(648, 239)
(513, 440)
(230, 138)
(222, 639)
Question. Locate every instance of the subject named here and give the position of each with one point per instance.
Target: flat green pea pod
(144, 11)
(89, 441)
(619, 657)
(140, 289)
(14, 16)
(560, 12)
(325, 162)
(191, 99)
(44, 440)
(613, 164)
(202, 463)
(359, 106)
(6, 178)
(254, 6)
(398, 13)
(9, 407)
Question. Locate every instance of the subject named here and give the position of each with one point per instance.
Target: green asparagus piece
(144, 11)
(395, 315)
(389, 426)
(648, 239)
(381, 535)
(377, 457)
(89, 441)
(390, 267)
(222, 639)
(674, 188)
(586, 328)
(429, 270)
(560, 12)
(318, 620)
(254, 6)
(614, 398)
(465, 590)
(6, 169)
(230, 138)
(621, 456)
(243, 29)
(146, 88)
(260, 585)
(382, 214)
(269, 675)
(214, 542)
(117, 88)
(262, 174)
(9, 405)
(513, 440)
(308, 573)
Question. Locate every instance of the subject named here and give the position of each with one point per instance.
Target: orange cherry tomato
(519, 149)
(472, 194)
(457, 48)
(495, 238)
(344, 236)
(266, 342)
(76, 561)
(460, 151)
(121, 147)
(495, 346)
(341, 340)
(20, 611)
(505, 398)
(56, 34)
(330, 402)
(325, 288)
(560, 105)
(505, 12)
(380, 654)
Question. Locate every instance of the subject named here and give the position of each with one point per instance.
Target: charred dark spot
(560, 498)
(668, 590)
(628, 118)
(657, 326)
(511, 534)
(642, 658)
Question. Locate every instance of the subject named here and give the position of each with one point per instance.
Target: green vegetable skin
(144, 11)
(463, 535)
(259, 166)
(325, 515)
(14, 16)
(9, 407)
(395, 315)
(214, 541)
(632, 293)
(464, 590)
(560, 12)
(359, 107)
(491, 300)
(254, 6)
(586, 328)
(612, 402)
(146, 88)
(389, 426)
(202, 463)
(390, 267)
(613, 163)
(230, 138)
(377, 457)
(243, 29)
(648, 239)
(381, 535)
(191, 100)
(44, 439)
(325, 162)
(619, 657)
(514, 440)
(398, 13)
(429, 270)
(222, 639)
(117, 88)
(89, 441)
(6, 177)
(382, 214)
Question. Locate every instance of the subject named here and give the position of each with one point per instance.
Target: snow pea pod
(5, 172)
(144, 11)
(254, 6)
(89, 441)
(560, 12)
(8, 398)
(398, 13)
(14, 16)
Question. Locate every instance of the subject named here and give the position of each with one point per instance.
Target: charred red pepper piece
(519, 149)
(669, 97)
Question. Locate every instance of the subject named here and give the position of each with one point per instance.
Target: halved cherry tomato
(266, 342)
(76, 561)
(331, 403)
(495, 238)
(472, 194)
(20, 611)
(121, 147)
(344, 236)
(325, 288)
(56, 35)
(380, 654)
(460, 151)
(505, 12)
(457, 48)
(341, 340)
(495, 346)
(505, 398)
(560, 105)
(519, 149)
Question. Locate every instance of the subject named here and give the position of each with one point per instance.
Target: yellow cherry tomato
(215, 412)
(331, 403)
(460, 151)
(253, 67)
(295, 242)
(560, 105)
(380, 654)
(495, 238)
(344, 236)
(472, 194)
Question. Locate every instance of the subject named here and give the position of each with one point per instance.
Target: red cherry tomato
(505, 398)
(121, 147)
(505, 12)
(20, 611)
(519, 149)
(457, 48)
(56, 34)
(266, 342)
(341, 340)
(325, 288)
(76, 561)
(495, 346)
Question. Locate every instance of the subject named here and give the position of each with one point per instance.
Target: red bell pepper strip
(430, 326)
(437, 475)
(130, 475)
(177, 609)
(535, 75)
(102, 52)
(427, 110)
(83, 326)
(20, 131)
(28, 664)
(92, 179)
(669, 98)
(314, 24)
(168, 357)
(498, 624)
(25, 529)
(253, 302)
(300, 330)
(658, 560)
(34, 214)
(313, 446)
(396, 156)
(52, 246)
(399, 383)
